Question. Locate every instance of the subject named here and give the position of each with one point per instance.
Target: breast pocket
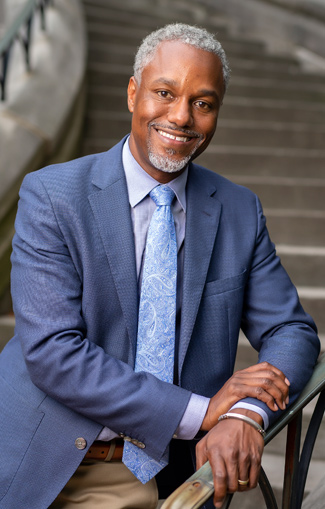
(18, 424)
(225, 285)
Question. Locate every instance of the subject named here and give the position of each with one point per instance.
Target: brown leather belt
(105, 451)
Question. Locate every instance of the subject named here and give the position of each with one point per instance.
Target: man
(72, 379)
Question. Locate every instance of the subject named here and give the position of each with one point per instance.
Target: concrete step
(274, 110)
(305, 265)
(107, 33)
(272, 70)
(160, 9)
(313, 301)
(259, 133)
(124, 18)
(265, 61)
(286, 192)
(269, 89)
(296, 227)
(264, 161)
(315, 499)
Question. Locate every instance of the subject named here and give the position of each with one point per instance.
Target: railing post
(3, 74)
(43, 4)
(292, 459)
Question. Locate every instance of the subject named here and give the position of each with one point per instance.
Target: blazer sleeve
(47, 292)
(274, 320)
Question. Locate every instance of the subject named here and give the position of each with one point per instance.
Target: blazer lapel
(202, 220)
(110, 207)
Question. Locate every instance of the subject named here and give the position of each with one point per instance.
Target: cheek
(149, 111)
(208, 128)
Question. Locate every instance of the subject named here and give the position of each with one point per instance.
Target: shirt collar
(140, 183)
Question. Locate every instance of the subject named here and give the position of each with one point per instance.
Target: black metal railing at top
(20, 30)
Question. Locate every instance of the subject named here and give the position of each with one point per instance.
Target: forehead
(183, 63)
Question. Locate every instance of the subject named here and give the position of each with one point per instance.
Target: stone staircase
(270, 138)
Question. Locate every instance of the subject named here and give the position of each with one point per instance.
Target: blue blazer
(68, 371)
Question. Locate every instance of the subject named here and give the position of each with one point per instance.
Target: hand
(261, 381)
(234, 450)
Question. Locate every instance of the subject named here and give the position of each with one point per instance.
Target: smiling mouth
(173, 137)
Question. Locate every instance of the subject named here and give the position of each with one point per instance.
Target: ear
(132, 90)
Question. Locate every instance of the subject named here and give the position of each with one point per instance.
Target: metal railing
(20, 30)
(199, 487)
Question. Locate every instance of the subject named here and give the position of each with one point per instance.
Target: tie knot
(162, 195)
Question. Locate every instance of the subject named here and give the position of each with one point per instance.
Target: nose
(180, 113)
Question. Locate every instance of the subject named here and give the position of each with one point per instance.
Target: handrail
(23, 20)
(199, 487)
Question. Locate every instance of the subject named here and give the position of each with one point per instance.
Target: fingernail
(287, 381)
(276, 406)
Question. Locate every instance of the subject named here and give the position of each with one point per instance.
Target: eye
(202, 105)
(164, 94)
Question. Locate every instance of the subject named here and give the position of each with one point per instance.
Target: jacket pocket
(18, 424)
(228, 284)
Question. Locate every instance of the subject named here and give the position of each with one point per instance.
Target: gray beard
(167, 163)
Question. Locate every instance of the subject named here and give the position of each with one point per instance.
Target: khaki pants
(104, 485)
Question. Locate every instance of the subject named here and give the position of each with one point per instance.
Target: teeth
(172, 137)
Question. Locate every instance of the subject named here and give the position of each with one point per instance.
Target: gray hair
(188, 34)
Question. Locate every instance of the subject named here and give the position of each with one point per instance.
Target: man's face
(175, 108)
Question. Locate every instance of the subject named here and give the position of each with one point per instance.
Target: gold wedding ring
(243, 483)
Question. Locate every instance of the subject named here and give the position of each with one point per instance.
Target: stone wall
(42, 117)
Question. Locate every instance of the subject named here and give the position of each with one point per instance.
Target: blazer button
(141, 445)
(80, 443)
(127, 439)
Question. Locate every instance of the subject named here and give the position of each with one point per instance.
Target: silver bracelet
(245, 419)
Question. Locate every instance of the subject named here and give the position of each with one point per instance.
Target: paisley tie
(157, 315)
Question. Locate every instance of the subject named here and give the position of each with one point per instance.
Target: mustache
(193, 134)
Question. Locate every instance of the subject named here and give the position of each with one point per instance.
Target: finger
(271, 396)
(200, 453)
(243, 477)
(262, 382)
(254, 471)
(268, 367)
(276, 387)
(220, 481)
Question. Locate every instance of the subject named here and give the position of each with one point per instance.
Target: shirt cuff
(192, 417)
(256, 409)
